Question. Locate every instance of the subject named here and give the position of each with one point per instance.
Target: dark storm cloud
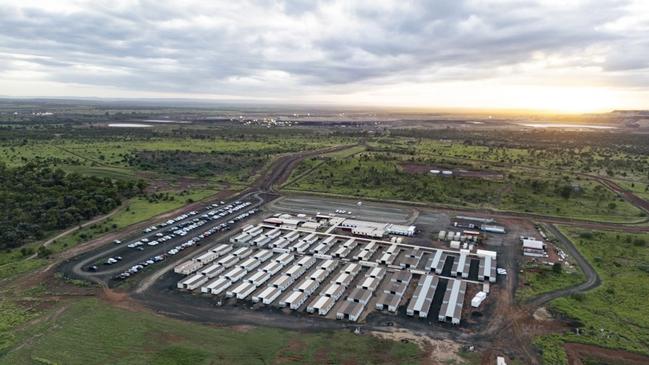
(223, 47)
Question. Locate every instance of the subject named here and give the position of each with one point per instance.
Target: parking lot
(161, 242)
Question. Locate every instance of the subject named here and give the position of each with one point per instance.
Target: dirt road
(592, 279)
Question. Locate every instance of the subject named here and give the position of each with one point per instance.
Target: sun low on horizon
(551, 56)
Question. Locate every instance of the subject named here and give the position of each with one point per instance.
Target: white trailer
(300, 247)
(241, 238)
(192, 282)
(258, 278)
(261, 241)
(217, 286)
(328, 240)
(343, 279)
(222, 249)
(307, 286)
(387, 258)
(329, 265)
(206, 257)
(249, 264)
(369, 283)
(352, 269)
(243, 290)
(310, 239)
(295, 271)
(273, 233)
(364, 255)
(321, 248)
(228, 261)
(272, 268)
(188, 267)
(213, 270)
(267, 296)
(306, 261)
(235, 274)
(242, 252)
(284, 258)
(282, 282)
(279, 243)
(321, 305)
(377, 272)
(292, 236)
(294, 300)
(319, 275)
(342, 252)
(334, 291)
(254, 232)
(263, 255)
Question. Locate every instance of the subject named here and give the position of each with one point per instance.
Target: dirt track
(592, 279)
(577, 352)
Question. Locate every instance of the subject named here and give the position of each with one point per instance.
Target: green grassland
(599, 161)
(111, 158)
(380, 175)
(640, 188)
(539, 279)
(11, 316)
(91, 332)
(616, 314)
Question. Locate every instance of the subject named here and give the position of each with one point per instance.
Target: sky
(557, 55)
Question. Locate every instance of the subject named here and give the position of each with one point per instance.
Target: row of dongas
(349, 285)
(291, 281)
(478, 266)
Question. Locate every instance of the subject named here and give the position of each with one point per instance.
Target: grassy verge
(91, 332)
(616, 314)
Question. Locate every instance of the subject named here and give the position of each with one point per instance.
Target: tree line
(36, 200)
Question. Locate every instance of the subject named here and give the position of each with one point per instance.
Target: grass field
(539, 279)
(600, 161)
(11, 317)
(640, 189)
(615, 315)
(110, 158)
(91, 332)
(380, 175)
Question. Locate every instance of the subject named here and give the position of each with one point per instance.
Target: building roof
(360, 295)
(534, 244)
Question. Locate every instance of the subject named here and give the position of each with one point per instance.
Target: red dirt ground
(578, 352)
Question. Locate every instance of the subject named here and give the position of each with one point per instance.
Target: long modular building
(192, 282)
(389, 302)
(350, 311)
(423, 297)
(321, 305)
(487, 269)
(451, 309)
(217, 286)
(462, 265)
(267, 296)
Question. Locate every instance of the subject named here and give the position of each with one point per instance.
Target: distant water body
(564, 125)
(129, 125)
(166, 121)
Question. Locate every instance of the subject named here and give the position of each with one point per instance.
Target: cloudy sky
(557, 55)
